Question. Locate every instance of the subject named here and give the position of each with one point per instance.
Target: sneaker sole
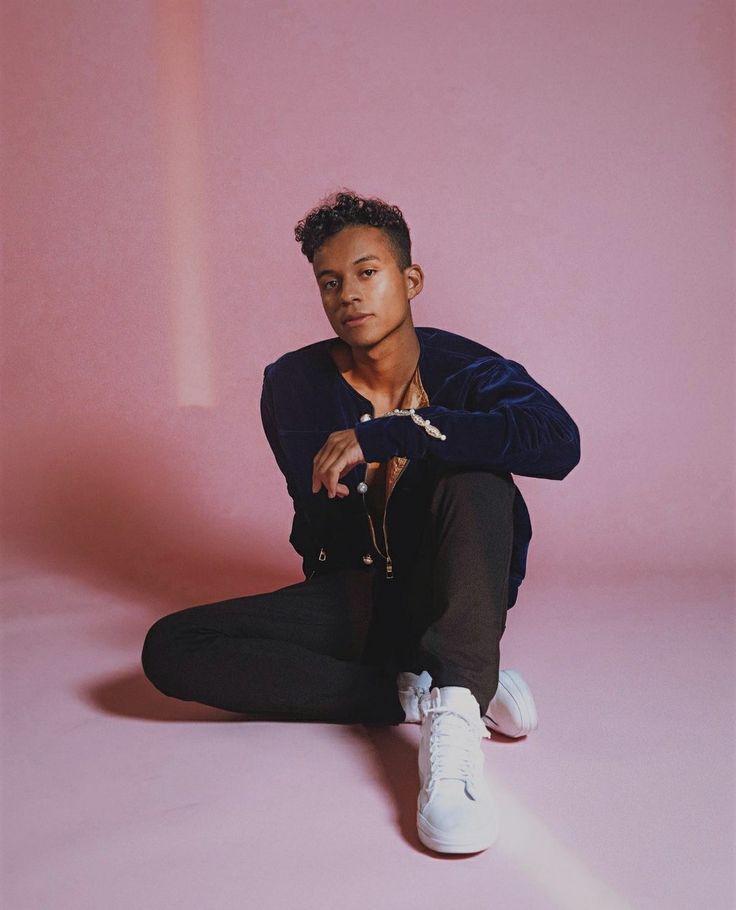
(434, 839)
(521, 695)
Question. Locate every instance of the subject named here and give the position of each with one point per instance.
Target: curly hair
(346, 208)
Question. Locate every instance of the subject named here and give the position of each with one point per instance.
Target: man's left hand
(337, 456)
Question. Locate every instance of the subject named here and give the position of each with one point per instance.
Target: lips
(356, 318)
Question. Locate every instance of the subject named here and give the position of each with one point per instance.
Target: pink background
(566, 169)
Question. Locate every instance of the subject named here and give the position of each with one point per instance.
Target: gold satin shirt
(381, 476)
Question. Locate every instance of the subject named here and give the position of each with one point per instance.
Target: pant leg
(458, 595)
(291, 654)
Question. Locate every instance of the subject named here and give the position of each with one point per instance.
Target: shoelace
(452, 760)
(418, 692)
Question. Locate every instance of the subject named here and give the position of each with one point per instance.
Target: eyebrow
(361, 259)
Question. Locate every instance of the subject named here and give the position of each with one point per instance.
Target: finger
(315, 472)
(332, 476)
(320, 461)
(336, 458)
(350, 458)
(318, 469)
(335, 470)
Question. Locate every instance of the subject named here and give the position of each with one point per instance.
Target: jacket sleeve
(511, 425)
(268, 420)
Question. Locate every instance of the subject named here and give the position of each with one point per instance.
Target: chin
(358, 339)
(365, 341)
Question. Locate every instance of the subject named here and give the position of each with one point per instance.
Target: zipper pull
(322, 555)
(389, 568)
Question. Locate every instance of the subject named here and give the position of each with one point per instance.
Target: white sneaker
(455, 810)
(512, 710)
(411, 689)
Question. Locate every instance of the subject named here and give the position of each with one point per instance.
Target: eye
(369, 270)
(327, 284)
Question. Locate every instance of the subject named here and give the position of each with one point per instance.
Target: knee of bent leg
(475, 484)
(159, 656)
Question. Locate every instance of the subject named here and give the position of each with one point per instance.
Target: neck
(386, 368)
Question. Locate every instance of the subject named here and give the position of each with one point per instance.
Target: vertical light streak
(181, 118)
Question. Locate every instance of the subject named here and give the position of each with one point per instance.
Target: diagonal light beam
(532, 847)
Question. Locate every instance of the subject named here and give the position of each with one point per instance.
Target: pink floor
(117, 797)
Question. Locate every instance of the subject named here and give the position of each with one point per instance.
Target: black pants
(328, 649)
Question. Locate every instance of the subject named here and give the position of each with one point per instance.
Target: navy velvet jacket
(493, 414)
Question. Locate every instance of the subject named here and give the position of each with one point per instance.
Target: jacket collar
(366, 405)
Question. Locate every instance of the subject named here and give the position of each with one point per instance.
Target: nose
(350, 291)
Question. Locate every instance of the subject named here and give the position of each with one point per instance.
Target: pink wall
(566, 170)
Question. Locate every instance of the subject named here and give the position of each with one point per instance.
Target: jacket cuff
(387, 437)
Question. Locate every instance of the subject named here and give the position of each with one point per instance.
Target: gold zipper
(386, 555)
(423, 402)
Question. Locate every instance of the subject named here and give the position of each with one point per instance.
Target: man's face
(364, 293)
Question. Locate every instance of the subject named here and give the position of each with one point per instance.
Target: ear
(414, 278)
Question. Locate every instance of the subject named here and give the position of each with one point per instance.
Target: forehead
(350, 243)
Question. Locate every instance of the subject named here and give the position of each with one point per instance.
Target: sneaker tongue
(460, 699)
(424, 681)
(453, 738)
(454, 744)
